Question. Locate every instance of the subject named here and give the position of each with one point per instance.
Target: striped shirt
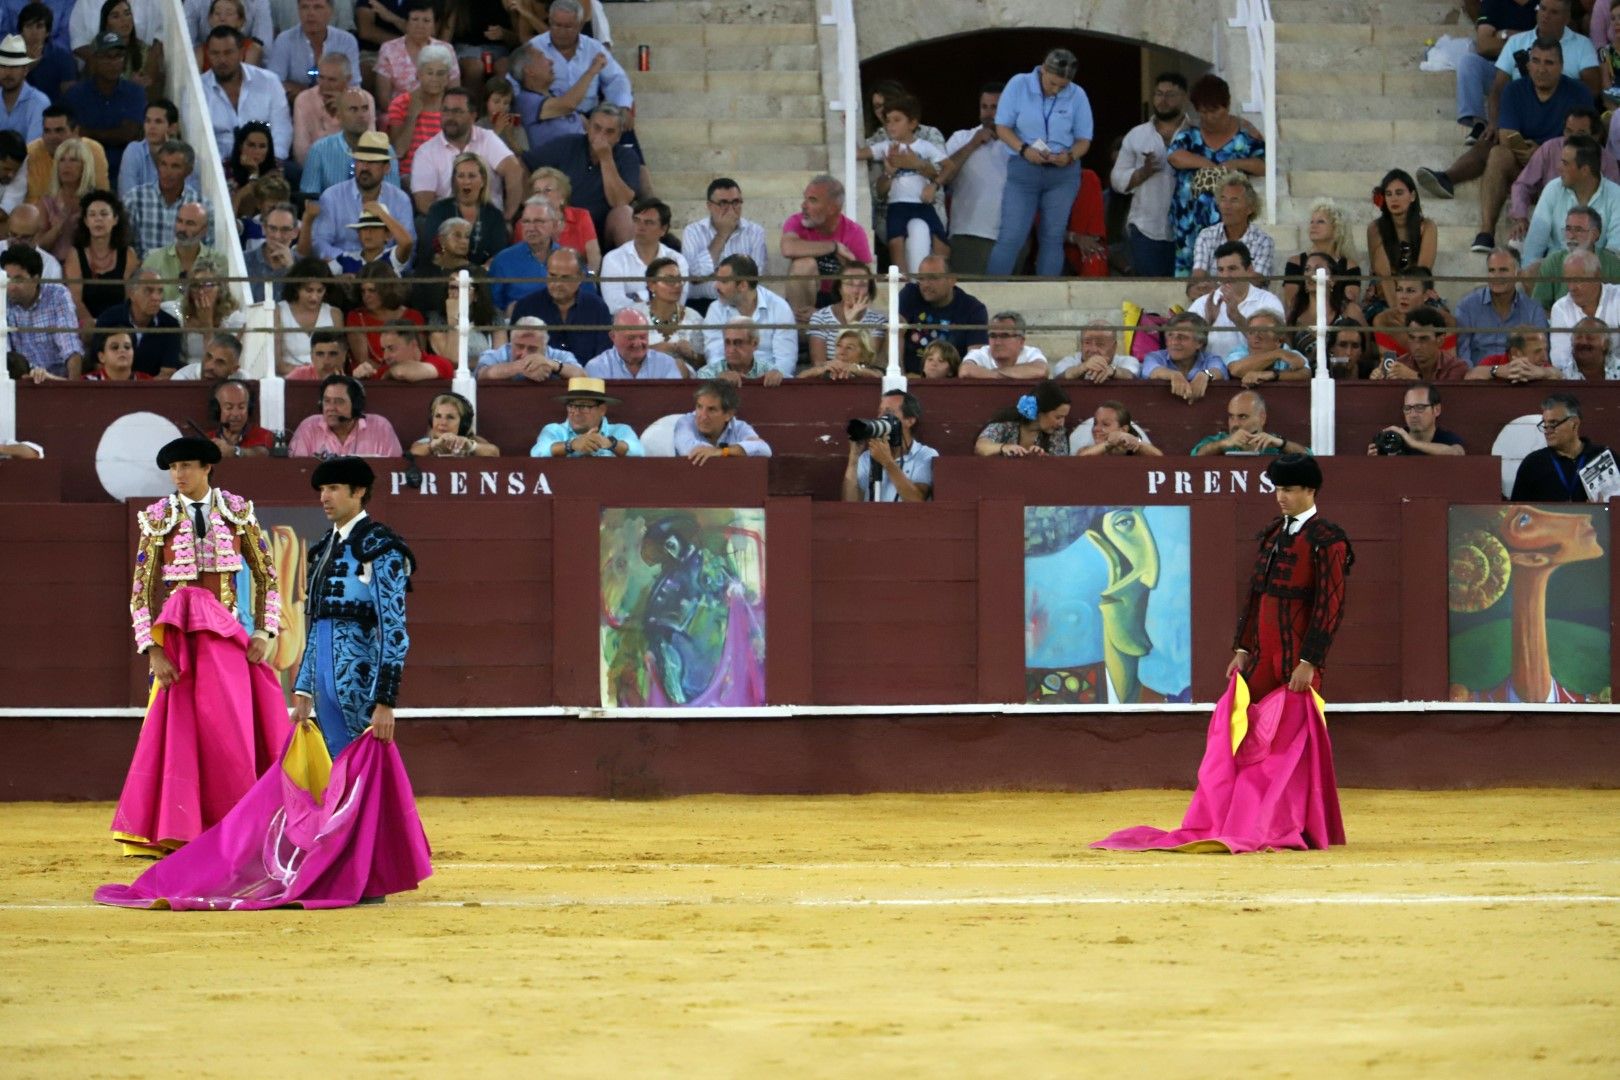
(49, 349)
(427, 126)
(152, 217)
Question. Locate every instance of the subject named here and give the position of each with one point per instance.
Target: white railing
(848, 102)
(1254, 18)
(1324, 392)
(8, 386)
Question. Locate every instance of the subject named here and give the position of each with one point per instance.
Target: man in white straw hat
(22, 107)
(366, 193)
(587, 432)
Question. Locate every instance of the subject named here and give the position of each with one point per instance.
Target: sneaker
(1474, 133)
(1436, 183)
(1484, 244)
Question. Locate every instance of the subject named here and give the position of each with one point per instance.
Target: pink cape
(1266, 781)
(309, 834)
(207, 737)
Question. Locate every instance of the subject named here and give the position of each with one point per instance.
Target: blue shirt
(611, 84)
(340, 207)
(1475, 310)
(1060, 121)
(27, 117)
(1206, 361)
(588, 311)
(328, 163)
(527, 104)
(291, 56)
(54, 68)
(552, 434)
(1537, 120)
(516, 261)
(62, 10)
(916, 464)
(491, 357)
(610, 365)
(139, 169)
(738, 433)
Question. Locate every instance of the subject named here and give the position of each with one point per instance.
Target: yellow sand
(719, 937)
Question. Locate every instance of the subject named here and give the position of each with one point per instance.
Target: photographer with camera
(712, 429)
(1421, 435)
(908, 465)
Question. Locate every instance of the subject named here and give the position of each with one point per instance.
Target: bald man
(26, 222)
(1246, 431)
(176, 260)
(630, 357)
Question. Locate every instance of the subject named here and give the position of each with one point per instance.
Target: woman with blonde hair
(73, 176)
(450, 431)
(578, 231)
(207, 307)
(469, 200)
(1327, 233)
(857, 293)
(853, 357)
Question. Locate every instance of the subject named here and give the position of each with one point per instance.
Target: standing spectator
(414, 118)
(1045, 121)
(572, 54)
(818, 242)
(578, 230)
(72, 179)
(53, 347)
(469, 201)
(937, 309)
(1583, 228)
(975, 173)
(884, 96)
(54, 66)
(330, 160)
(1238, 205)
(604, 176)
(1202, 156)
(741, 294)
(1143, 172)
(1553, 473)
(853, 309)
(911, 164)
(707, 241)
(396, 59)
(22, 107)
(1487, 313)
(650, 218)
(1544, 165)
(60, 126)
(1007, 356)
(143, 60)
(1399, 240)
(102, 258)
(1580, 183)
(343, 203)
(577, 320)
(1588, 297)
(233, 13)
(1238, 297)
(1328, 233)
(435, 159)
(157, 333)
(295, 55)
(529, 257)
(139, 163)
(236, 93)
(318, 111)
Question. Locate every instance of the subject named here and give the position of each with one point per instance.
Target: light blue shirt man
(611, 365)
(916, 464)
(561, 432)
(611, 84)
(330, 161)
(262, 98)
(1579, 53)
(493, 357)
(781, 345)
(340, 206)
(292, 57)
(27, 116)
(737, 432)
(1546, 231)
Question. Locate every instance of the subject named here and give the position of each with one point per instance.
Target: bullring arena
(727, 771)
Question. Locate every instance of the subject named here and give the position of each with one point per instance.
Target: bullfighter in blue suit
(356, 640)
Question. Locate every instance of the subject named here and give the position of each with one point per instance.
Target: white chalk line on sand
(1098, 862)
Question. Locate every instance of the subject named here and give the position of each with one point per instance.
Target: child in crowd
(940, 360)
(499, 117)
(913, 228)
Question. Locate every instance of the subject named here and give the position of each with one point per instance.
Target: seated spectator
(395, 72)
(24, 227)
(469, 202)
(1035, 426)
(712, 429)
(251, 158)
(233, 407)
(270, 189)
(725, 231)
(1351, 352)
(572, 53)
(59, 126)
(303, 310)
(1490, 310)
(22, 106)
(939, 310)
(343, 427)
(1526, 359)
(529, 257)
(13, 181)
(1006, 356)
(438, 262)
(384, 242)
(1413, 289)
(1421, 433)
(1184, 362)
(1238, 297)
(403, 358)
(63, 203)
(578, 230)
(853, 357)
(221, 359)
(499, 115)
(1553, 473)
(1545, 164)
(604, 175)
(157, 333)
(318, 111)
(433, 166)
(139, 165)
(175, 261)
(528, 355)
(450, 431)
(1580, 182)
(630, 358)
(852, 310)
(818, 242)
(1401, 238)
(328, 355)
(153, 207)
(40, 317)
(736, 280)
(906, 478)
(1583, 228)
(1427, 358)
(52, 65)
(649, 217)
(1098, 358)
(268, 263)
(675, 329)
(256, 27)
(236, 92)
(1246, 431)
(1495, 21)
(587, 432)
(1264, 356)
(484, 333)
(941, 360)
(1328, 233)
(343, 203)
(1112, 433)
(576, 318)
(1239, 206)
(382, 303)
(206, 308)
(1302, 312)
(330, 160)
(1593, 350)
(114, 358)
(1587, 296)
(293, 54)
(743, 359)
(542, 114)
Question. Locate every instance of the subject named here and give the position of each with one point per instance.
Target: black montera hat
(188, 448)
(1296, 470)
(343, 470)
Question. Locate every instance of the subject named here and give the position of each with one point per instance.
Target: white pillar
(895, 377)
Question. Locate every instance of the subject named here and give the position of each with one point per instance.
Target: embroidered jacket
(1305, 571)
(373, 604)
(171, 555)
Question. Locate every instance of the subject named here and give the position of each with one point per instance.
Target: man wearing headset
(232, 427)
(342, 427)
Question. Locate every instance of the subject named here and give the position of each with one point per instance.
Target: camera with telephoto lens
(1390, 444)
(883, 427)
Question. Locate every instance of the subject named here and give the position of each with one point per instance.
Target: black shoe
(1435, 182)
(1484, 244)
(1474, 133)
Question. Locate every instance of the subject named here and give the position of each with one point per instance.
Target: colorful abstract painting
(1528, 591)
(683, 608)
(1107, 604)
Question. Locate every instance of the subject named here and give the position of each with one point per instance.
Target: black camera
(1390, 444)
(883, 427)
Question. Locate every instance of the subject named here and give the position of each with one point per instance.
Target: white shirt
(1565, 315)
(1128, 364)
(906, 186)
(1222, 342)
(623, 262)
(748, 239)
(1150, 203)
(435, 160)
(53, 269)
(1300, 520)
(782, 346)
(981, 357)
(262, 97)
(13, 194)
(976, 189)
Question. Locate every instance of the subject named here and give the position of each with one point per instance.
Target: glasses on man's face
(581, 406)
(1411, 410)
(1547, 427)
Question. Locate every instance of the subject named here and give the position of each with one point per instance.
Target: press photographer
(1421, 435)
(907, 465)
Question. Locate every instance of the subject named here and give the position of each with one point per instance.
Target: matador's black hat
(343, 470)
(1295, 470)
(188, 448)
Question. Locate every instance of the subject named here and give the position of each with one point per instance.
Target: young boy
(911, 188)
(499, 117)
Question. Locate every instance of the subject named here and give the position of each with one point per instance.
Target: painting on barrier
(1528, 590)
(1107, 604)
(682, 607)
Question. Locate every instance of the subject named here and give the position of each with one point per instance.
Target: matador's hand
(1300, 681)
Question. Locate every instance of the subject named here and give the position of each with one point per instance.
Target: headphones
(357, 392)
(466, 414)
(252, 389)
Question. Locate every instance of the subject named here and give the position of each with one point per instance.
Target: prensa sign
(482, 483)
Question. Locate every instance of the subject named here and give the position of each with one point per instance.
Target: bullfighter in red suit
(1296, 595)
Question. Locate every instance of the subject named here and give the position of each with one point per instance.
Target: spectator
(53, 65)
(157, 333)
(742, 360)
(236, 93)
(941, 360)
(1526, 359)
(1045, 122)
(450, 428)
(294, 54)
(328, 352)
(1098, 358)
(13, 180)
(413, 118)
(382, 303)
(578, 231)
(343, 427)
(1238, 205)
(84, 25)
(572, 54)
(938, 309)
(706, 242)
(880, 98)
(233, 406)
(576, 319)
(1583, 228)
(318, 111)
(71, 180)
(221, 359)
(432, 174)
(528, 355)
(108, 106)
(1350, 351)
(1414, 289)
(737, 281)
(403, 358)
(443, 314)
(1035, 426)
(853, 357)
(1580, 183)
(17, 14)
(712, 429)
(906, 478)
(674, 329)
(139, 165)
(543, 115)
(908, 179)
(1143, 172)
(1400, 239)
(1495, 21)
(630, 358)
(1302, 311)
(1235, 300)
(603, 175)
(587, 432)
(1201, 156)
(343, 203)
(1545, 164)
(1328, 233)
(1592, 347)
(856, 289)
(268, 263)
(1246, 431)
(255, 27)
(1488, 312)
(1480, 86)
(818, 242)
(174, 261)
(1588, 297)
(527, 259)
(975, 173)
(650, 219)
(1426, 359)
(1264, 356)
(1421, 433)
(207, 308)
(113, 356)
(40, 317)
(330, 160)
(395, 72)
(1185, 362)
(143, 60)
(24, 227)
(301, 311)
(59, 127)
(1085, 241)
(1006, 356)
(499, 116)
(22, 107)
(476, 27)
(1553, 473)
(383, 240)
(1113, 433)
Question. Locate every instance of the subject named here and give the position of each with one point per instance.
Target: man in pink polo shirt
(343, 427)
(818, 242)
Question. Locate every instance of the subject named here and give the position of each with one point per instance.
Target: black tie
(199, 523)
(1288, 525)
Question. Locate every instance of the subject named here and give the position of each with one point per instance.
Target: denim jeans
(1474, 78)
(1046, 188)
(1150, 257)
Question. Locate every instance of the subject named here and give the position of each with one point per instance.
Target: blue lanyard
(1569, 485)
(1046, 115)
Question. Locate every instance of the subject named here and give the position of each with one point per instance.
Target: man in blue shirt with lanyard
(1553, 473)
(908, 477)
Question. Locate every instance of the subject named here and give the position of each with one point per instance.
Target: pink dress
(394, 60)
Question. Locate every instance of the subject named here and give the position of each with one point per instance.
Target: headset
(463, 405)
(357, 392)
(249, 385)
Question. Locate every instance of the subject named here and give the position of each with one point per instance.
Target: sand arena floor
(1460, 934)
